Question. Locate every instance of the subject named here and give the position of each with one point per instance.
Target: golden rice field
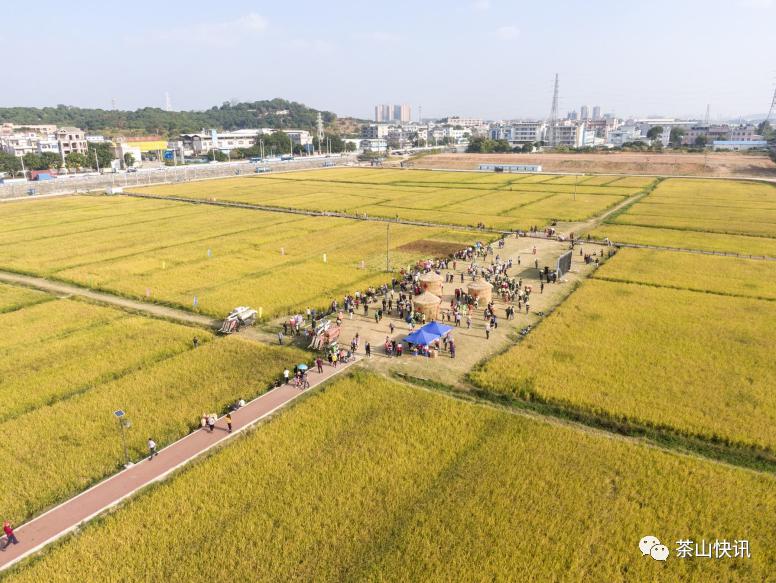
(456, 198)
(723, 215)
(680, 239)
(696, 363)
(55, 350)
(371, 480)
(13, 298)
(720, 275)
(173, 253)
(66, 365)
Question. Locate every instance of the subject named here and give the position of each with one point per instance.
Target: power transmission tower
(319, 123)
(553, 121)
(772, 111)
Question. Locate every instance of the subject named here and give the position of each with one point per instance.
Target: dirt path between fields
(578, 228)
(72, 514)
(66, 289)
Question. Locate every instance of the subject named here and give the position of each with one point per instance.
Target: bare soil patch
(713, 164)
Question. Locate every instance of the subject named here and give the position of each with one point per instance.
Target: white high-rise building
(596, 112)
(584, 112)
(402, 113)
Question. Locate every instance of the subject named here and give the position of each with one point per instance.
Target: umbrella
(302, 367)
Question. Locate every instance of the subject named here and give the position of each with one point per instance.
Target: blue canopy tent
(421, 337)
(436, 328)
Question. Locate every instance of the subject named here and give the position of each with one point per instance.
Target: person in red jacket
(10, 536)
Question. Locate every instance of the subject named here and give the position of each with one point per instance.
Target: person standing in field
(152, 448)
(9, 535)
(229, 422)
(280, 337)
(195, 342)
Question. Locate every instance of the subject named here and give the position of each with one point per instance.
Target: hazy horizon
(483, 58)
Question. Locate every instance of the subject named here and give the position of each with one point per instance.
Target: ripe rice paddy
(692, 362)
(206, 258)
(715, 215)
(371, 480)
(66, 365)
(503, 201)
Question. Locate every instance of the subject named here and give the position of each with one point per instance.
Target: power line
(773, 107)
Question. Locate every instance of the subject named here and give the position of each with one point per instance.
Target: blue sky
(489, 58)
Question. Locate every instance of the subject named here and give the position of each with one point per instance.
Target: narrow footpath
(73, 513)
(67, 289)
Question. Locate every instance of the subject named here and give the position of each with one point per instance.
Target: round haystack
(428, 304)
(480, 289)
(431, 282)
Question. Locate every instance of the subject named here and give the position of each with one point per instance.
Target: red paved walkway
(69, 515)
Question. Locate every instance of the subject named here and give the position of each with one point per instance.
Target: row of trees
(98, 156)
(278, 143)
(274, 113)
(486, 145)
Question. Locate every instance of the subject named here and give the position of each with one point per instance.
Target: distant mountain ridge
(274, 113)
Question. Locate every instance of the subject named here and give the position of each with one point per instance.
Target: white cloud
(507, 32)
(227, 33)
(481, 5)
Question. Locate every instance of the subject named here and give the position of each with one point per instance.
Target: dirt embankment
(714, 164)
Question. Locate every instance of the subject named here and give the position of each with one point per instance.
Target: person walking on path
(487, 330)
(368, 348)
(211, 422)
(152, 448)
(229, 422)
(10, 537)
(319, 364)
(280, 337)
(286, 375)
(541, 288)
(195, 342)
(391, 327)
